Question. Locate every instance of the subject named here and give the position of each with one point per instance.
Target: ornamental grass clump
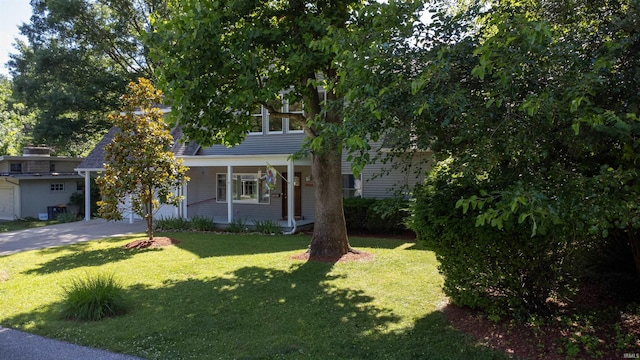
(94, 298)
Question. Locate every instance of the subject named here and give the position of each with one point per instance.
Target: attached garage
(7, 203)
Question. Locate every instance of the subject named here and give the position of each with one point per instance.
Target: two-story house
(37, 184)
(230, 183)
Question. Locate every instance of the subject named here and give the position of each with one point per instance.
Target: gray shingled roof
(180, 148)
(95, 159)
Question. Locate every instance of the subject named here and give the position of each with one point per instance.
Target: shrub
(501, 271)
(356, 212)
(237, 226)
(172, 223)
(376, 216)
(201, 223)
(66, 218)
(267, 226)
(93, 298)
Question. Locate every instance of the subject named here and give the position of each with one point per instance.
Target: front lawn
(241, 296)
(16, 225)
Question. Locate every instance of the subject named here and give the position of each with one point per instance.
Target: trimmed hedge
(375, 215)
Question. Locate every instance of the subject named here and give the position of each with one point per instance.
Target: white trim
(229, 194)
(240, 160)
(87, 196)
(291, 211)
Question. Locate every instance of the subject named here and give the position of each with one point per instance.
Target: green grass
(15, 225)
(221, 296)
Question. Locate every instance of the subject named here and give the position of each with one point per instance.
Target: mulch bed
(158, 241)
(350, 256)
(550, 339)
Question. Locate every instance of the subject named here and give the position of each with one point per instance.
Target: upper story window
(275, 125)
(56, 187)
(351, 186)
(257, 114)
(52, 167)
(16, 168)
(294, 126)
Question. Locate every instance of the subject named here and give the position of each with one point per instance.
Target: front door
(297, 196)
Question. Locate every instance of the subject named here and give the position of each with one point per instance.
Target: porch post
(183, 203)
(290, 194)
(229, 194)
(131, 214)
(87, 195)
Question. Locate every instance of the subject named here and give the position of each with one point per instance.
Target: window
(221, 188)
(256, 114)
(247, 189)
(52, 167)
(294, 108)
(16, 168)
(56, 187)
(351, 186)
(275, 125)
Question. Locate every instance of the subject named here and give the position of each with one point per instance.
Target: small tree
(139, 163)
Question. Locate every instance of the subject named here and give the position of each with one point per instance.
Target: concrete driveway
(64, 234)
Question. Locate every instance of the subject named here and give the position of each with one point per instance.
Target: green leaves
(139, 163)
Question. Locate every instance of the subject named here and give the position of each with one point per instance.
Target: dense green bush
(499, 270)
(375, 215)
(93, 298)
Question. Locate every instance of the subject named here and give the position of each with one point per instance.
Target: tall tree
(15, 121)
(79, 55)
(222, 58)
(139, 164)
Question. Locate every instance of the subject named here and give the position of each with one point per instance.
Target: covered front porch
(244, 189)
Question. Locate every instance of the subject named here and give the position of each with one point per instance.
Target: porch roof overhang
(242, 160)
(45, 176)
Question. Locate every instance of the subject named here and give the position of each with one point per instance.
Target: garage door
(6, 203)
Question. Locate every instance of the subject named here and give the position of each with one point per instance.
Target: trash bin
(54, 211)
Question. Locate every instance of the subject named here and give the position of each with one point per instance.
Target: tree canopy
(78, 56)
(534, 107)
(15, 121)
(220, 59)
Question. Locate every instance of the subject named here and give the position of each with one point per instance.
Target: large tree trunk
(330, 231)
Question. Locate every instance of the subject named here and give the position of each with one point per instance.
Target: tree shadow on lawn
(214, 245)
(206, 245)
(261, 313)
(80, 256)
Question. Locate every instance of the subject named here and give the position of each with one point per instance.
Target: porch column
(87, 195)
(131, 214)
(183, 204)
(290, 193)
(229, 194)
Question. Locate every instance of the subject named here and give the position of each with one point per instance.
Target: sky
(12, 14)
